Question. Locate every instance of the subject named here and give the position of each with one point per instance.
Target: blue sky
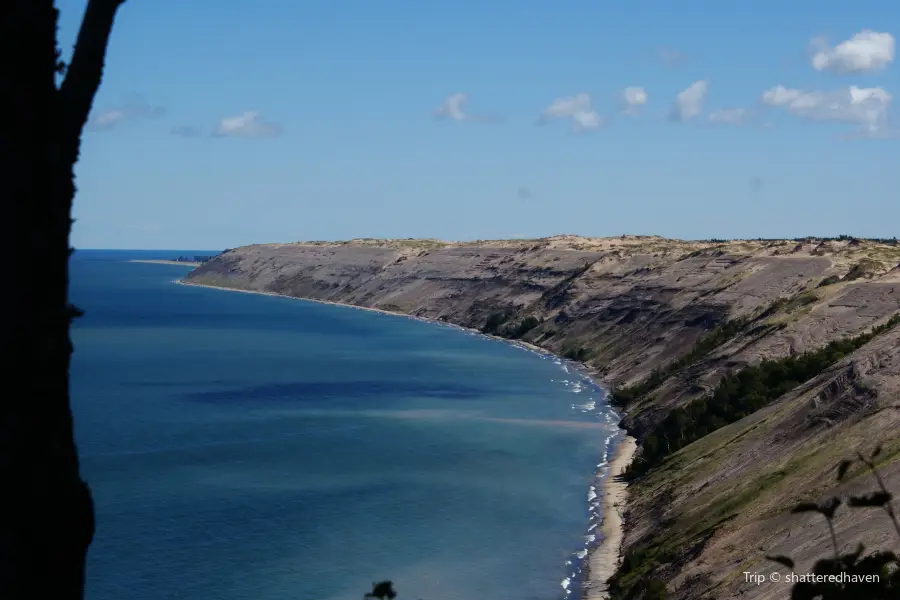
(222, 123)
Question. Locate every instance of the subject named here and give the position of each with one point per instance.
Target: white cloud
(865, 107)
(452, 108)
(107, 119)
(732, 116)
(780, 96)
(134, 107)
(587, 119)
(866, 51)
(248, 124)
(631, 99)
(576, 108)
(689, 101)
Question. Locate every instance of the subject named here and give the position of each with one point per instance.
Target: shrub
(577, 354)
(524, 326)
(494, 322)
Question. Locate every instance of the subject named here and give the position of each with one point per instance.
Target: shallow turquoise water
(249, 447)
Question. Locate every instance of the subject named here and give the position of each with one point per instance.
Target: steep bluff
(683, 315)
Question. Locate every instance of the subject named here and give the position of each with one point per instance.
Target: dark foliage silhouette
(383, 591)
(854, 575)
(48, 519)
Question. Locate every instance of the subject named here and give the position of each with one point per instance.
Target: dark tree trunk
(46, 511)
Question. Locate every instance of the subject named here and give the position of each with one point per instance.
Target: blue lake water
(257, 448)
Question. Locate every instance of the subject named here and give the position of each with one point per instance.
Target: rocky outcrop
(686, 313)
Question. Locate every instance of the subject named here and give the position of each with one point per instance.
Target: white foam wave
(594, 400)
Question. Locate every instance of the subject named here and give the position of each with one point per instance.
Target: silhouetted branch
(84, 72)
(870, 577)
(885, 495)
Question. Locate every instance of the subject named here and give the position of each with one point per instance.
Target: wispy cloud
(452, 108)
(631, 99)
(729, 116)
(865, 107)
(689, 102)
(247, 124)
(134, 107)
(577, 109)
(864, 52)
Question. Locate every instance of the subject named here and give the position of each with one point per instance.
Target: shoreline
(519, 343)
(161, 261)
(602, 559)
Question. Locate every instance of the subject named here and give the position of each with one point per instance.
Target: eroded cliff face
(633, 306)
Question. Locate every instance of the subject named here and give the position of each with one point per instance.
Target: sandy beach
(605, 558)
(602, 560)
(183, 263)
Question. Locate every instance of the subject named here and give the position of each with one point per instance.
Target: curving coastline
(603, 558)
(662, 322)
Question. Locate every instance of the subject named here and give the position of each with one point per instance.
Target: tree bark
(46, 511)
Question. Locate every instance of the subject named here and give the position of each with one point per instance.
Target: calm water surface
(255, 448)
